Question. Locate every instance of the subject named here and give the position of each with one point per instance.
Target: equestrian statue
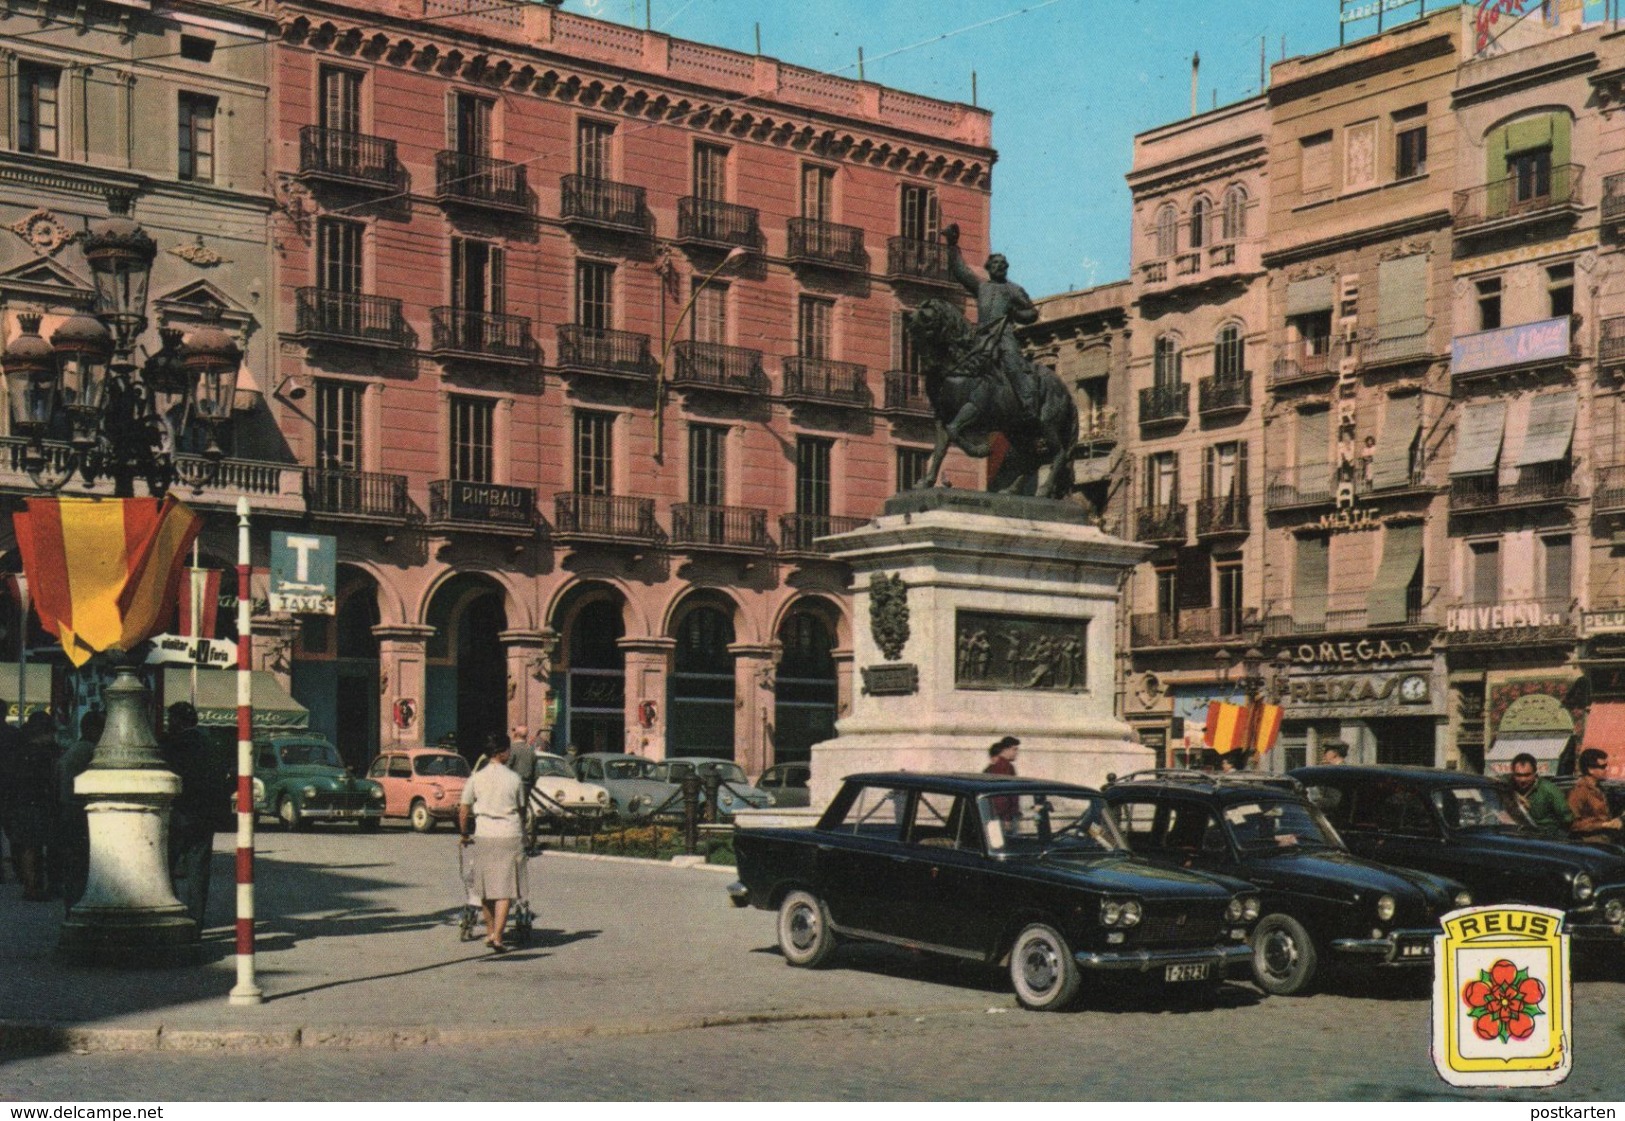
(979, 383)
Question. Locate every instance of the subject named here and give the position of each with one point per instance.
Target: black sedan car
(997, 870)
(1467, 827)
(1320, 902)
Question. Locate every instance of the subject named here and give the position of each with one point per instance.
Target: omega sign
(1343, 653)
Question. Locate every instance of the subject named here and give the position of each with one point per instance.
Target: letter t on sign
(303, 547)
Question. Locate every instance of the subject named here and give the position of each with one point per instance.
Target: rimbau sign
(490, 502)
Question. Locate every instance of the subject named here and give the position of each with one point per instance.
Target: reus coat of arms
(888, 614)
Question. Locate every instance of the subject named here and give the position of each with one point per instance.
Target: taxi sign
(1502, 1008)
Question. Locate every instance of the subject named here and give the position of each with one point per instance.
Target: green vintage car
(300, 779)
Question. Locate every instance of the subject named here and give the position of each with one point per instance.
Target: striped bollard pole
(246, 991)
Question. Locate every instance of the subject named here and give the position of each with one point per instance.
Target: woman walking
(494, 799)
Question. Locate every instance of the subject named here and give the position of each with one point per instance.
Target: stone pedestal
(1011, 628)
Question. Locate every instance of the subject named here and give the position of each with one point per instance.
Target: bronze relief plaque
(993, 650)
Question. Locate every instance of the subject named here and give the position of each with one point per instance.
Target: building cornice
(754, 115)
(1346, 74)
(1527, 78)
(1354, 239)
(1187, 172)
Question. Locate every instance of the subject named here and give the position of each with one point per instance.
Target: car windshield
(1277, 826)
(310, 753)
(1479, 807)
(441, 766)
(553, 766)
(1049, 822)
(727, 772)
(626, 768)
(671, 772)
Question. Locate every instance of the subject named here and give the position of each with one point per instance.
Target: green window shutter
(1305, 297)
(1309, 583)
(1528, 134)
(1314, 438)
(1478, 438)
(1551, 428)
(1391, 465)
(1401, 553)
(1402, 297)
(1562, 141)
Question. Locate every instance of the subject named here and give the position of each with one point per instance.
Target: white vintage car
(558, 799)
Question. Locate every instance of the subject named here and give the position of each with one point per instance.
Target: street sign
(304, 573)
(189, 650)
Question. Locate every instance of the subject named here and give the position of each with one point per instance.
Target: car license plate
(1196, 972)
(1416, 950)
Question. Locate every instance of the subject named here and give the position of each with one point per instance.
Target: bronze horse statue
(972, 396)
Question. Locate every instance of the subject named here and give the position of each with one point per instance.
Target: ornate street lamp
(734, 255)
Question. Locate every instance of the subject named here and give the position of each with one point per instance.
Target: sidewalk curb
(681, 863)
(45, 1037)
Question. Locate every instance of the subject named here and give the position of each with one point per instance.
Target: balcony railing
(826, 243)
(599, 350)
(348, 317)
(1217, 516)
(923, 262)
(1516, 198)
(1611, 347)
(1318, 484)
(1233, 393)
(274, 487)
(1307, 360)
(587, 201)
(1609, 496)
(1192, 626)
(711, 222)
(1613, 198)
(481, 181)
(905, 394)
(725, 528)
(349, 157)
(1161, 524)
(1340, 612)
(1537, 484)
(1098, 427)
(714, 366)
(605, 517)
(482, 507)
(1393, 350)
(482, 335)
(823, 381)
(1160, 404)
(359, 495)
(799, 533)
(1511, 622)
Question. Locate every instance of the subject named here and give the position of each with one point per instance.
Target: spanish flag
(104, 571)
(1226, 727)
(1267, 728)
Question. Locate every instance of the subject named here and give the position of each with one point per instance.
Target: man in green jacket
(1540, 798)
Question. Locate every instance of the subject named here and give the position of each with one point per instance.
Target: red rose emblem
(1503, 1002)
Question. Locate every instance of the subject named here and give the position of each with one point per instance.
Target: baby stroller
(521, 919)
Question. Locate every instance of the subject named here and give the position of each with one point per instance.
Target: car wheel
(1284, 957)
(288, 815)
(805, 937)
(420, 817)
(1042, 969)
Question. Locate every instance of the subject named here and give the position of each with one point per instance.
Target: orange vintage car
(421, 784)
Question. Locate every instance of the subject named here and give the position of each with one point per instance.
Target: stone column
(755, 668)
(401, 677)
(273, 646)
(530, 674)
(647, 663)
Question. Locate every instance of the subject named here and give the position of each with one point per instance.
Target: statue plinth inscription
(1001, 651)
(891, 681)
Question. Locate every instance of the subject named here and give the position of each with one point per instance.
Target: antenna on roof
(758, 38)
(1196, 66)
(973, 87)
(860, 64)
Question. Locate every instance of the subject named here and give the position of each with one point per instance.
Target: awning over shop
(1546, 747)
(217, 698)
(1305, 297)
(1391, 465)
(1387, 605)
(38, 682)
(1478, 438)
(1551, 428)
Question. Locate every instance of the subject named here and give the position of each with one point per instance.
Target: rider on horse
(1000, 304)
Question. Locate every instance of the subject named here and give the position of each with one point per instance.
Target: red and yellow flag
(103, 571)
(1267, 728)
(1228, 726)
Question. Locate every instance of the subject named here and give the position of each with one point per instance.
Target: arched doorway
(804, 701)
(591, 686)
(701, 700)
(335, 669)
(467, 670)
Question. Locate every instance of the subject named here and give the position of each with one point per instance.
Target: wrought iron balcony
(1613, 198)
(366, 496)
(1514, 200)
(823, 381)
(349, 318)
(711, 222)
(481, 181)
(733, 369)
(1343, 612)
(482, 336)
(1161, 525)
(1307, 360)
(731, 529)
(1216, 517)
(815, 242)
(799, 533)
(598, 350)
(457, 504)
(1161, 404)
(1609, 496)
(349, 158)
(905, 394)
(1308, 484)
(1394, 350)
(1230, 394)
(606, 518)
(1537, 485)
(1522, 622)
(922, 262)
(602, 204)
(1098, 426)
(1188, 627)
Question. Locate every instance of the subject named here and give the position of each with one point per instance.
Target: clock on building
(1414, 689)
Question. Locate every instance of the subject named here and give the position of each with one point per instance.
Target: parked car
(1465, 826)
(788, 783)
(300, 779)
(559, 798)
(634, 793)
(992, 868)
(734, 789)
(422, 785)
(1321, 903)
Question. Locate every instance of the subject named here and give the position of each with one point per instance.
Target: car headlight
(1235, 910)
(1251, 907)
(603, 796)
(1131, 913)
(259, 792)
(1584, 889)
(768, 800)
(1385, 908)
(638, 802)
(1110, 912)
(1614, 912)
(558, 795)
(309, 792)
(376, 794)
(1463, 899)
